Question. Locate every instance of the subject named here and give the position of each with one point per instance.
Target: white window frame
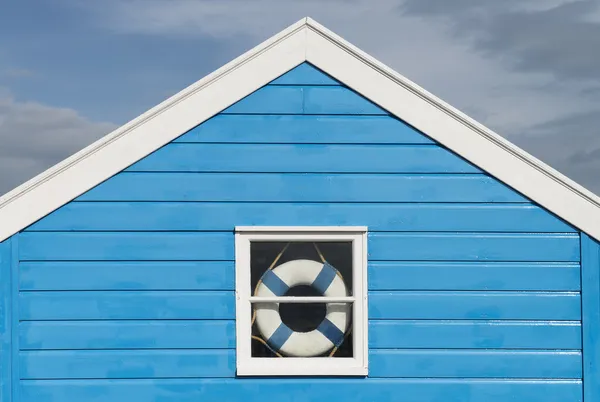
(301, 366)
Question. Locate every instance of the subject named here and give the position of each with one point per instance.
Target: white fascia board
(157, 127)
(453, 129)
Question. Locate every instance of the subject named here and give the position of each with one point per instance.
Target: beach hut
(303, 224)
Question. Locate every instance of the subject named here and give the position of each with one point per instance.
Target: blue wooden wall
(127, 293)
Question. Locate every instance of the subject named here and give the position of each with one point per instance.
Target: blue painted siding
(303, 129)
(301, 187)
(6, 330)
(127, 293)
(220, 363)
(590, 277)
(307, 158)
(311, 389)
(381, 217)
(407, 246)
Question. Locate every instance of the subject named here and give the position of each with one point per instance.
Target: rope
(319, 252)
(335, 348)
(325, 261)
(257, 338)
(271, 267)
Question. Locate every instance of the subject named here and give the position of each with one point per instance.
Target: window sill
(302, 367)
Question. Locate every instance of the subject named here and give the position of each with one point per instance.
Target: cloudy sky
(73, 70)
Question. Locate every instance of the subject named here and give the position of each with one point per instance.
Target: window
(301, 301)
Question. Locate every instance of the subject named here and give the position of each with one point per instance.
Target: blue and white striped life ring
(329, 334)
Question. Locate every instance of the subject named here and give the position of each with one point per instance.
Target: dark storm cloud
(560, 38)
(563, 40)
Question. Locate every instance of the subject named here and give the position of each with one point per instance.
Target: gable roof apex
(303, 41)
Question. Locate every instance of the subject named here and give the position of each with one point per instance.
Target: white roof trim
(306, 40)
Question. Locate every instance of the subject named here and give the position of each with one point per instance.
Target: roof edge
(306, 40)
(498, 156)
(149, 114)
(454, 112)
(295, 51)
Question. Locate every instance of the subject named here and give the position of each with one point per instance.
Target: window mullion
(302, 299)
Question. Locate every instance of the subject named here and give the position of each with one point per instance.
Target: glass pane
(334, 280)
(302, 329)
(288, 269)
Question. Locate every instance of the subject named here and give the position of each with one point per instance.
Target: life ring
(329, 334)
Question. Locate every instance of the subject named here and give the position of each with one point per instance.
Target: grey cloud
(36, 136)
(570, 145)
(560, 40)
(444, 7)
(526, 68)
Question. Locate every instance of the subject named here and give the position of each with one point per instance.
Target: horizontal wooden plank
(146, 246)
(464, 334)
(134, 246)
(421, 363)
(109, 275)
(186, 363)
(299, 129)
(68, 364)
(123, 334)
(336, 100)
(220, 334)
(297, 187)
(219, 275)
(219, 305)
(184, 216)
(145, 305)
(303, 158)
(302, 389)
(124, 246)
(474, 276)
(269, 100)
(304, 100)
(474, 247)
(305, 74)
(437, 305)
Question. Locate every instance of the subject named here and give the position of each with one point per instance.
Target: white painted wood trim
(246, 365)
(243, 308)
(292, 366)
(304, 41)
(361, 350)
(300, 229)
(302, 299)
